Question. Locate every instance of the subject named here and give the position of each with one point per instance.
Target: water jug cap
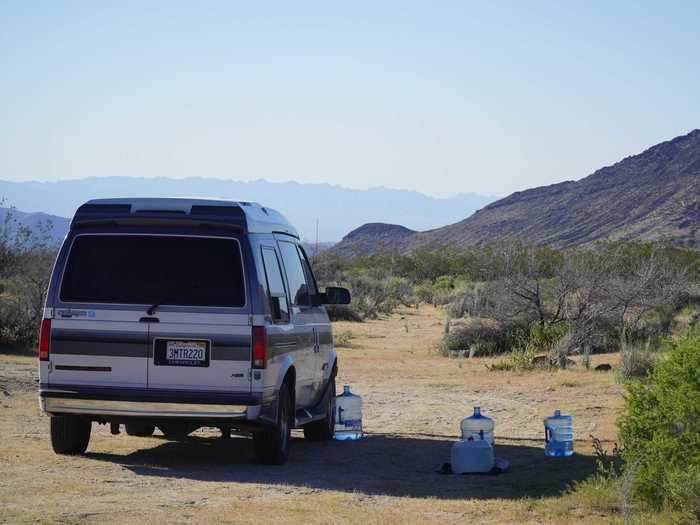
(477, 410)
(557, 413)
(346, 389)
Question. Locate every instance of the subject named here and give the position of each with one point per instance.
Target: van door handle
(149, 320)
(317, 346)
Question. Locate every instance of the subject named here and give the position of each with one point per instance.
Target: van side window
(313, 288)
(277, 295)
(298, 287)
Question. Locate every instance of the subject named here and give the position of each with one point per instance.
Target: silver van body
(181, 313)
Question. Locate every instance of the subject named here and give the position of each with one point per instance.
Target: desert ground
(414, 400)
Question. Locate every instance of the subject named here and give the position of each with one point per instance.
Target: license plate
(181, 353)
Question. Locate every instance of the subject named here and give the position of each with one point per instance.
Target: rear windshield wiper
(169, 296)
(152, 309)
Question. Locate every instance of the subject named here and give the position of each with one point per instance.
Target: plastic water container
(471, 456)
(348, 415)
(478, 427)
(558, 435)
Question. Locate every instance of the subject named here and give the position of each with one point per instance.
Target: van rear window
(144, 269)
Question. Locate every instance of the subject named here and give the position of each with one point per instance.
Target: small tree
(639, 283)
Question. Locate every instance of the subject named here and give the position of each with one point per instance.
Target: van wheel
(176, 431)
(140, 429)
(323, 429)
(271, 444)
(70, 434)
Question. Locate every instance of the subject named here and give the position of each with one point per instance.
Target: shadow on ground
(391, 465)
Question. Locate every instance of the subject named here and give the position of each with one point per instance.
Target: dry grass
(414, 400)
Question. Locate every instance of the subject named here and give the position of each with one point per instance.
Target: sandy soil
(414, 400)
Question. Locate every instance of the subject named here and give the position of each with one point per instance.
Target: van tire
(323, 429)
(70, 434)
(140, 429)
(271, 444)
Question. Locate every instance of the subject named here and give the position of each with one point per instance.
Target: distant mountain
(653, 196)
(55, 227)
(337, 209)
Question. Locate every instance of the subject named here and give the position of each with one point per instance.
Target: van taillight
(44, 339)
(259, 347)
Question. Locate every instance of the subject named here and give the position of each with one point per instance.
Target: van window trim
(305, 259)
(285, 285)
(179, 306)
(286, 278)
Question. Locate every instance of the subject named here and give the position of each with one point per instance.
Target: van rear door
(96, 338)
(199, 330)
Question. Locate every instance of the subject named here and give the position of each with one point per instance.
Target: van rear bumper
(132, 402)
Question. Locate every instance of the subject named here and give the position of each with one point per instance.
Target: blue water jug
(348, 416)
(558, 435)
(478, 427)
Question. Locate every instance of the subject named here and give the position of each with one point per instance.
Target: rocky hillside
(371, 237)
(653, 196)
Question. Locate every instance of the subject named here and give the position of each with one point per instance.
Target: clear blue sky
(441, 97)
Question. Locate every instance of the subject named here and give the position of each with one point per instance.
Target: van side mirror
(334, 295)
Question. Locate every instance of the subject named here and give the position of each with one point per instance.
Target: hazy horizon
(440, 99)
(252, 181)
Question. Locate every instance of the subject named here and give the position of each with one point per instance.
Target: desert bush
(400, 291)
(423, 292)
(342, 339)
(374, 294)
(608, 464)
(25, 265)
(442, 288)
(528, 345)
(466, 299)
(660, 428)
(544, 337)
(341, 312)
(478, 337)
(521, 358)
(636, 361)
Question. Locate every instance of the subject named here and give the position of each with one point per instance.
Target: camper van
(178, 314)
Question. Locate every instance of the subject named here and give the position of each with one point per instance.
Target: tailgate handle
(149, 320)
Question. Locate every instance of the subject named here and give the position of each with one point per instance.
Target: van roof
(247, 215)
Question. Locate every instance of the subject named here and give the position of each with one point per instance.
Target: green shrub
(521, 358)
(423, 292)
(542, 338)
(608, 465)
(660, 428)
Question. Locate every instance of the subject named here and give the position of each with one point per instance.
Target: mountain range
(53, 226)
(653, 196)
(337, 209)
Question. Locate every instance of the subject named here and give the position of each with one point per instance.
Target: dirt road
(414, 400)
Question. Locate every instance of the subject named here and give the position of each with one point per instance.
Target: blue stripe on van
(134, 344)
